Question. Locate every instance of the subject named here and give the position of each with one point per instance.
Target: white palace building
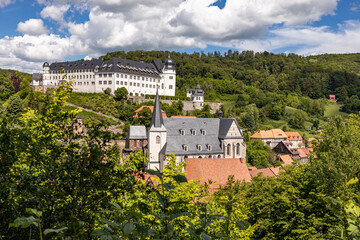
(139, 78)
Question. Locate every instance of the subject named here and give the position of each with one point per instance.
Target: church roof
(176, 141)
(157, 118)
(137, 132)
(217, 170)
(225, 124)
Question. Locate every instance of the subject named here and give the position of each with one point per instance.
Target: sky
(32, 32)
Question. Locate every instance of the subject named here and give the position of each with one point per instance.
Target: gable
(233, 131)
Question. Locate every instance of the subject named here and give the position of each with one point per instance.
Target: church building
(192, 138)
(139, 78)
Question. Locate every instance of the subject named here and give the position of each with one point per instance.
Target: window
(143, 85)
(238, 149)
(121, 75)
(157, 139)
(110, 82)
(117, 82)
(193, 132)
(125, 76)
(110, 75)
(182, 132)
(162, 86)
(130, 83)
(105, 75)
(100, 82)
(105, 82)
(203, 132)
(228, 149)
(142, 78)
(100, 75)
(117, 75)
(125, 83)
(199, 147)
(130, 77)
(147, 85)
(170, 86)
(92, 83)
(171, 77)
(121, 83)
(138, 84)
(186, 148)
(209, 147)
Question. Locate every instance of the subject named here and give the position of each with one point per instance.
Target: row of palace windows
(72, 71)
(126, 76)
(198, 147)
(193, 132)
(85, 83)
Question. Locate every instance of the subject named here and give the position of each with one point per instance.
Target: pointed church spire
(157, 119)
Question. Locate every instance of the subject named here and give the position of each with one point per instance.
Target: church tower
(157, 137)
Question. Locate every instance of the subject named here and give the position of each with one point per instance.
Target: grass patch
(98, 102)
(93, 118)
(331, 110)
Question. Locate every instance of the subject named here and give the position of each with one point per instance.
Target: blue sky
(59, 30)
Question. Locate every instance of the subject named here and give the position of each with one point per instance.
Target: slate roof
(225, 124)
(216, 169)
(113, 65)
(137, 132)
(157, 118)
(129, 66)
(175, 141)
(76, 65)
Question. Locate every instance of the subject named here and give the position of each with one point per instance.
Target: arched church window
(228, 149)
(157, 139)
(238, 149)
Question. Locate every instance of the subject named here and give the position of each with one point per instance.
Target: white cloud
(4, 3)
(32, 27)
(55, 12)
(178, 24)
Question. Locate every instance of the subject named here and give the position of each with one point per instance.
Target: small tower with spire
(156, 137)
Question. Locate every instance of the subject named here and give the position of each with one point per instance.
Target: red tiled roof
(303, 153)
(293, 136)
(216, 169)
(266, 172)
(151, 109)
(272, 133)
(286, 159)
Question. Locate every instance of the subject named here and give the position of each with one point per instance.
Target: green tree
(120, 93)
(15, 107)
(6, 88)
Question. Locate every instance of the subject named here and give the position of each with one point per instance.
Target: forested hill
(313, 76)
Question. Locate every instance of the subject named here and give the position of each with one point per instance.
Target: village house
(270, 137)
(295, 140)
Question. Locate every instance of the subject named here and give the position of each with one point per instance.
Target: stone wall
(42, 88)
(188, 105)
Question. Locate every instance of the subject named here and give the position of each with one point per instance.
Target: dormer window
(199, 147)
(182, 132)
(185, 147)
(203, 132)
(209, 147)
(193, 132)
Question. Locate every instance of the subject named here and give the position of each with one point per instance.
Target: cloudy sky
(32, 32)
